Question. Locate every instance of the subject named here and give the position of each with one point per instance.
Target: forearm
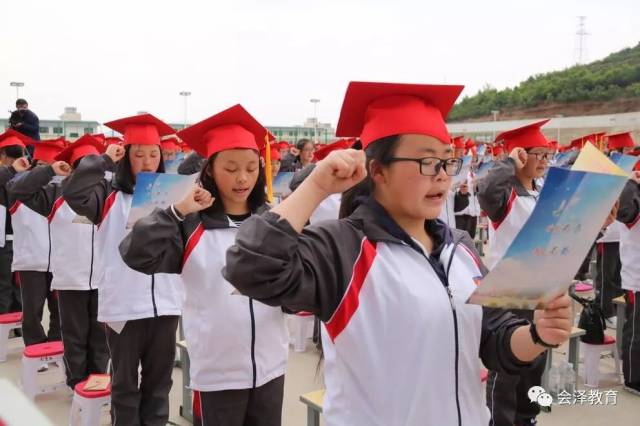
(522, 345)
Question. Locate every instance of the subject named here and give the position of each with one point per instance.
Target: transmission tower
(582, 42)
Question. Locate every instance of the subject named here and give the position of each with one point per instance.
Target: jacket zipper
(253, 342)
(93, 229)
(49, 259)
(445, 283)
(153, 295)
(455, 331)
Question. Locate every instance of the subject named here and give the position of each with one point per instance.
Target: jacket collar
(378, 225)
(219, 219)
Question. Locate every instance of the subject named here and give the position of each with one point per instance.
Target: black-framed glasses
(541, 155)
(431, 166)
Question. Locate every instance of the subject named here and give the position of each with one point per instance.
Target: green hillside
(615, 77)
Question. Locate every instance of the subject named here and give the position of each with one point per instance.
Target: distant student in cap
(141, 311)
(508, 195)
(74, 260)
(32, 254)
(389, 281)
(238, 347)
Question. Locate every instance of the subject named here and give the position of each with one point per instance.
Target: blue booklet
(157, 190)
(544, 256)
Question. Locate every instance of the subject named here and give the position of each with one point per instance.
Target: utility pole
(582, 42)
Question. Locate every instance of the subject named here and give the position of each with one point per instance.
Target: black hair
(12, 151)
(21, 101)
(124, 180)
(381, 151)
(257, 197)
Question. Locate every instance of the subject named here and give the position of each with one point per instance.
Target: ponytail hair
(381, 151)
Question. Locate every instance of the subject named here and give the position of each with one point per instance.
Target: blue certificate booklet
(544, 256)
(157, 190)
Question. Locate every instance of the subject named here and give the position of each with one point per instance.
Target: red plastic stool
(8, 322)
(33, 357)
(87, 405)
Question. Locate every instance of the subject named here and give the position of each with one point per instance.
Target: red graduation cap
(11, 137)
(170, 143)
(275, 153)
(233, 128)
(620, 140)
(322, 152)
(283, 145)
(47, 150)
(143, 129)
(376, 110)
(458, 142)
(85, 145)
(112, 140)
(470, 143)
(497, 150)
(593, 138)
(99, 137)
(528, 136)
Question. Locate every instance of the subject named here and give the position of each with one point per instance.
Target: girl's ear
(377, 172)
(209, 170)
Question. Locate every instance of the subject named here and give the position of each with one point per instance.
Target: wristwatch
(537, 340)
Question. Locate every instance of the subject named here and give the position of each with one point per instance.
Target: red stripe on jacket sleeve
(14, 207)
(351, 299)
(108, 203)
(59, 201)
(192, 242)
(512, 199)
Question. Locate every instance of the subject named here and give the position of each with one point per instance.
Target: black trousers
(151, 344)
(35, 288)
(507, 395)
(631, 341)
(583, 272)
(607, 281)
(85, 344)
(261, 406)
(9, 291)
(467, 223)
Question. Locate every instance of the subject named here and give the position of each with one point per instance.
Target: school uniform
(467, 209)
(141, 311)
(377, 294)
(448, 214)
(508, 205)
(629, 215)
(9, 291)
(74, 263)
(234, 342)
(31, 264)
(238, 347)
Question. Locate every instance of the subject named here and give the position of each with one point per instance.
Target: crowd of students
(375, 240)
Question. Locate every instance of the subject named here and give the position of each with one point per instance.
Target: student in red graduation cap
(497, 152)
(275, 159)
(74, 259)
(141, 311)
(508, 195)
(12, 147)
(237, 346)
(169, 147)
(32, 254)
(607, 280)
(389, 281)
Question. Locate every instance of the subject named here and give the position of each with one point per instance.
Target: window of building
(57, 130)
(88, 129)
(73, 135)
(44, 130)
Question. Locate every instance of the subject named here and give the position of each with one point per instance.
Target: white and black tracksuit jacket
(401, 345)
